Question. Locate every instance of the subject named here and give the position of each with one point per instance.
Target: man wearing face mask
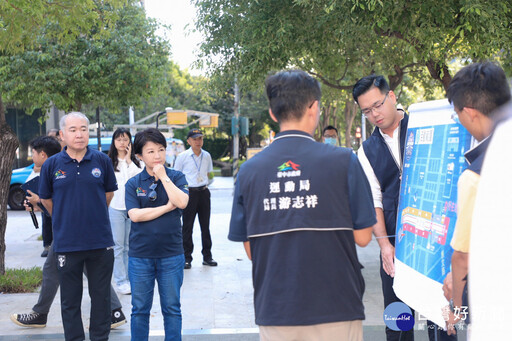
(330, 136)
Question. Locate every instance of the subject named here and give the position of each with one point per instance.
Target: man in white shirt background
(197, 166)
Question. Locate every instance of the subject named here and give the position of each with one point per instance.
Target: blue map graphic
(433, 162)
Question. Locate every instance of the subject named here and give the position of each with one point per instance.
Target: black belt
(197, 189)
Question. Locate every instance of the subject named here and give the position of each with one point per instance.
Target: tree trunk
(350, 112)
(8, 145)
(439, 72)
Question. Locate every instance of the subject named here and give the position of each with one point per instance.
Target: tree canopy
(22, 20)
(113, 70)
(340, 41)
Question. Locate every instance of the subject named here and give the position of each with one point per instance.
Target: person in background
(55, 133)
(42, 147)
(330, 136)
(126, 166)
(155, 199)
(196, 164)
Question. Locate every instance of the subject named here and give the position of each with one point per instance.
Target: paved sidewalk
(216, 302)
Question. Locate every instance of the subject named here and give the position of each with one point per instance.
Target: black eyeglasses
(368, 111)
(152, 195)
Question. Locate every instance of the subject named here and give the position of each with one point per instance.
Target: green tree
(113, 70)
(340, 41)
(71, 53)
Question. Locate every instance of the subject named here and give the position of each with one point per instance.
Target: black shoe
(45, 251)
(117, 319)
(32, 319)
(209, 262)
(188, 265)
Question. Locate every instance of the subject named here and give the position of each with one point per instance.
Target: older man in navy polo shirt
(300, 207)
(76, 187)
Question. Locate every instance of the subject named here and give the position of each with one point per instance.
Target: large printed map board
(432, 163)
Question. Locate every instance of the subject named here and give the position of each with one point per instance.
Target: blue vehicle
(16, 194)
(105, 143)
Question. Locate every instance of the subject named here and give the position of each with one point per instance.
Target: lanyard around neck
(200, 162)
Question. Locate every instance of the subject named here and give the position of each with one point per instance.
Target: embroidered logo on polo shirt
(140, 192)
(96, 172)
(288, 169)
(60, 174)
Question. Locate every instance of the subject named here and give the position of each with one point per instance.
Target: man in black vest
(381, 159)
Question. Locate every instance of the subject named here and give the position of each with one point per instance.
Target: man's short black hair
(148, 135)
(368, 82)
(330, 128)
(48, 144)
(481, 86)
(290, 93)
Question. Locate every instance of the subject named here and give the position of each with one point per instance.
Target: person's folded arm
(138, 215)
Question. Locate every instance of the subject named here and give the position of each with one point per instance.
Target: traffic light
(358, 132)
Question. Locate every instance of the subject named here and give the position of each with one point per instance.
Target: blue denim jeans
(168, 273)
(120, 224)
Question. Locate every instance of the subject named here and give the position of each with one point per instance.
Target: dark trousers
(390, 297)
(198, 203)
(434, 329)
(99, 264)
(46, 230)
(51, 284)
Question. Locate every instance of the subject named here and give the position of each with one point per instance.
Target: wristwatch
(452, 307)
(167, 180)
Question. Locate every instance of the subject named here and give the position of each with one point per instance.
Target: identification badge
(199, 178)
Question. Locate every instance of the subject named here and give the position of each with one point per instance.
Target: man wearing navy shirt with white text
(76, 187)
(300, 207)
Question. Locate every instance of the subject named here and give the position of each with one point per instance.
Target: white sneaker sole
(117, 324)
(14, 318)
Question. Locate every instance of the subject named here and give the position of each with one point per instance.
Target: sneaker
(118, 318)
(188, 265)
(32, 319)
(45, 251)
(124, 289)
(209, 262)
